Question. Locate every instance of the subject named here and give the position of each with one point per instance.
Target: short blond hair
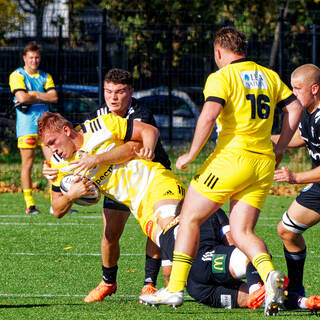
(52, 122)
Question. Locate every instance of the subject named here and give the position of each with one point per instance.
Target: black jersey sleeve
(137, 112)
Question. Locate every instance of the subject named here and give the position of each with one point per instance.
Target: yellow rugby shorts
(237, 175)
(164, 186)
(29, 141)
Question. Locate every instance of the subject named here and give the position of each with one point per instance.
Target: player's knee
(288, 228)
(111, 236)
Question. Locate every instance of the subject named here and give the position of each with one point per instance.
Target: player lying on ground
(147, 188)
(216, 273)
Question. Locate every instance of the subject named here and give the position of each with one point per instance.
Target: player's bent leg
(114, 223)
(193, 214)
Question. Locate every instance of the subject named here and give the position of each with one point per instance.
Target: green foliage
(10, 18)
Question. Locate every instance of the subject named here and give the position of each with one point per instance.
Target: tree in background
(10, 18)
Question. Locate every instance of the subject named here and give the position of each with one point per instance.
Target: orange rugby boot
(101, 291)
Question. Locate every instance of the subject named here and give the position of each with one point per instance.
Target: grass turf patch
(48, 265)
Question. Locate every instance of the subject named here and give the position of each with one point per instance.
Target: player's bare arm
(295, 142)
(293, 112)
(61, 203)
(117, 155)
(286, 175)
(45, 97)
(148, 135)
(31, 97)
(203, 130)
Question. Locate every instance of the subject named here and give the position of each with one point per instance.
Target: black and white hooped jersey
(310, 132)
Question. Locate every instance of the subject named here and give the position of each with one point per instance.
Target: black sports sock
(109, 275)
(295, 264)
(152, 268)
(252, 275)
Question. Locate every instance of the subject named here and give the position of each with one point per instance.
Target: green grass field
(49, 265)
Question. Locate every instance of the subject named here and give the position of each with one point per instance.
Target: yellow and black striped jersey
(249, 94)
(127, 183)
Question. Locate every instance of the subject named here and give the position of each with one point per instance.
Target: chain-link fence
(78, 50)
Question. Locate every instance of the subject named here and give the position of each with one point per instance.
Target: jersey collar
(240, 60)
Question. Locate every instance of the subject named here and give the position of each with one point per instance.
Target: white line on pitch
(67, 254)
(29, 295)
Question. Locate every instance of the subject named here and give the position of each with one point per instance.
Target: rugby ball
(88, 200)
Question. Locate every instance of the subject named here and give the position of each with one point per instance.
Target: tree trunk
(275, 45)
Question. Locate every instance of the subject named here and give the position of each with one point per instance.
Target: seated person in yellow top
(150, 190)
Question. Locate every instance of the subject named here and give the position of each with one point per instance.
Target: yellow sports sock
(180, 270)
(263, 264)
(27, 193)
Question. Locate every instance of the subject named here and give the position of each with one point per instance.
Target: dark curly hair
(119, 76)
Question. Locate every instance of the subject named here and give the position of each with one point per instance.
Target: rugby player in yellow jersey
(151, 191)
(242, 97)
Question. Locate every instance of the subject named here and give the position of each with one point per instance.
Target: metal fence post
(60, 68)
(170, 59)
(315, 44)
(280, 52)
(102, 55)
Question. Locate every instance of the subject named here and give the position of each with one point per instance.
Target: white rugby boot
(162, 296)
(274, 296)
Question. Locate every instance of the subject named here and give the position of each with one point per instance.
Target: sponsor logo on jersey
(104, 176)
(149, 229)
(253, 80)
(219, 263)
(168, 193)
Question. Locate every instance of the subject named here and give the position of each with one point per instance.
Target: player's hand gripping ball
(87, 200)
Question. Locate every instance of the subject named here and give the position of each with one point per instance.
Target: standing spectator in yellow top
(242, 97)
(33, 91)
